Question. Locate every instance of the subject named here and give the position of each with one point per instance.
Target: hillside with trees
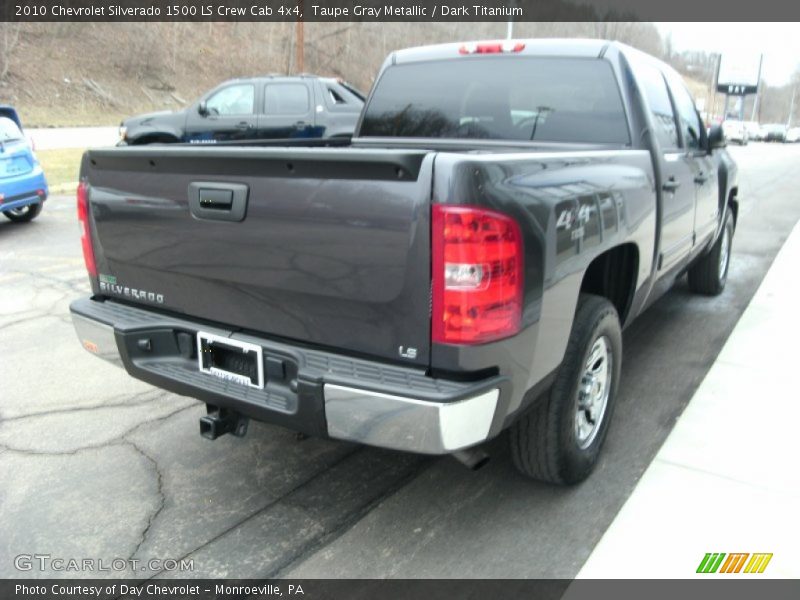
(98, 73)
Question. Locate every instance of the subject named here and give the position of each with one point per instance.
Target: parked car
(735, 131)
(793, 135)
(23, 187)
(305, 106)
(753, 131)
(463, 267)
(775, 132)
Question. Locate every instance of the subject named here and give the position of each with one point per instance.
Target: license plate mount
(232, 360)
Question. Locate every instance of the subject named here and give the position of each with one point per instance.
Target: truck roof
(587, 48)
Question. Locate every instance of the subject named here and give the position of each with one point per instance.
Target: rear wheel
(24, 213)
(710, 274)
(559, 439)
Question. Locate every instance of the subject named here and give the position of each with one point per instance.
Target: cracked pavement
(95, 464)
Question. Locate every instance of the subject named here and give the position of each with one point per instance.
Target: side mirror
(716, 138)
(202, 109)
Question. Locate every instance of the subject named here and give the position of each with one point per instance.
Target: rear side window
(286, 99)
(9, 130)
(655, 88)
(357, 93)
(499, 98)
(335, 97)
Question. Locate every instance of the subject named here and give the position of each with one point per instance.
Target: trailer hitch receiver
(220, 421)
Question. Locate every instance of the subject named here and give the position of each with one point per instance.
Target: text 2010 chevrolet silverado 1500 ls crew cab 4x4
(462, 266)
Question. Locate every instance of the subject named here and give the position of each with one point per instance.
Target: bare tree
(9, 38)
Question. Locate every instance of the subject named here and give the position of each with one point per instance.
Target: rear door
(288, 110)
(704, 172)
(678, 193)
(231, 115)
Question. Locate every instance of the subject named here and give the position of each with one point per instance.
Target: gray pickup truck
(463, 266)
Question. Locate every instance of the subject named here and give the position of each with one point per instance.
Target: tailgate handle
(218, 201)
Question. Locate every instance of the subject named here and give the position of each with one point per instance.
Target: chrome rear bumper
(97, 338)
(406, 423)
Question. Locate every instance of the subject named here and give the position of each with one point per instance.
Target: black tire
(709, 274)
(544, 441)
(24, 214)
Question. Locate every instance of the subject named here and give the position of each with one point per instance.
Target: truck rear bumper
(308, 390)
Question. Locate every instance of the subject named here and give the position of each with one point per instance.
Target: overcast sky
(779, 42)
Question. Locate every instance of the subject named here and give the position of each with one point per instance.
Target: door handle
(701, 178)
(300, 124)
(670, 185)
(244, 125)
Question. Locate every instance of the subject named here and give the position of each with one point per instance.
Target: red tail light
(86, 234)
(491, 48)
(477, 275)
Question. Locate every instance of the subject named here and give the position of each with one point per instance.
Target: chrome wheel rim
(593, 392)
(724, 252)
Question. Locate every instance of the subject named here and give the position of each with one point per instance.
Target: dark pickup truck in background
(463, 266)
(270, 107)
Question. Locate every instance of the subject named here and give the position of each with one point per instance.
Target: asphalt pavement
(96, 465)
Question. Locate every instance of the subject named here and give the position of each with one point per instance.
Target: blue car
(23, 187)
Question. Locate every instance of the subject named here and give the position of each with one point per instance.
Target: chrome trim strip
(97, 338)
(408, 424)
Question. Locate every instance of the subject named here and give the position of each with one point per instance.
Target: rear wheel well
(613, 276)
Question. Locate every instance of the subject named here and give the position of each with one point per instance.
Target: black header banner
(398, 10)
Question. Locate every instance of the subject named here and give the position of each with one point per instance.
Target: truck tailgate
(333, 247)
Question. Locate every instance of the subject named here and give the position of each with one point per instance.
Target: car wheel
(710, 274)
(24, 213)
(559, 439)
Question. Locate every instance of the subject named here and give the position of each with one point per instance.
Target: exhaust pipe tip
(472, 458)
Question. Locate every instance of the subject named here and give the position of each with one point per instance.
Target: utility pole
(299, 40)
(758, 89)
(791, 108)
(714, 76)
